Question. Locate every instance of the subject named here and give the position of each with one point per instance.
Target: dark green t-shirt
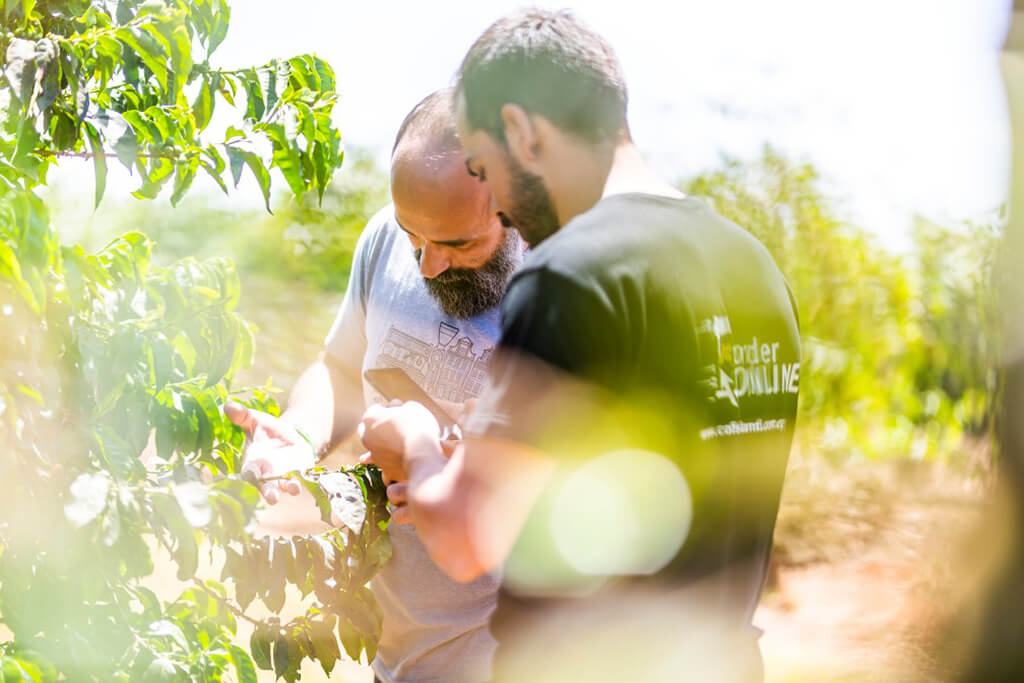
(683, 334)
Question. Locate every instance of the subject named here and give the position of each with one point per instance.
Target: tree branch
(238, 612)
(91, 155)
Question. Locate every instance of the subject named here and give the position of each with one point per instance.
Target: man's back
(685, 325)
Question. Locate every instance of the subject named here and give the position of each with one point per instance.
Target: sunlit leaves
(88, 497)
(146, 68)
(116, 369)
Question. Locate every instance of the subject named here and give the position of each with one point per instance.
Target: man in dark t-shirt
(625, 461)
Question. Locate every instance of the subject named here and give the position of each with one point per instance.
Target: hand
(272, 448)
(387, 431)
(398, 492)
(398, 496)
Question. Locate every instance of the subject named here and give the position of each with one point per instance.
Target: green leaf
(23, 61)
(320, 496)
(183, 180)
(282, 657)
(99, 160)
(346, 497)
(181, 53)
(148, 48)
(215, 175)
(325, 647)
(127, 149)
(238, 158)
(259, 645)
(88, 497)
(243, 665)
(219, 27)
(168, 629)
(204, 104)
(162, 669)
(194, 499)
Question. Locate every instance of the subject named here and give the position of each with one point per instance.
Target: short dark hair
(550, 64)
(431, 117)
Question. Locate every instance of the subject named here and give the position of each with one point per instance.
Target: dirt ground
(874, 564)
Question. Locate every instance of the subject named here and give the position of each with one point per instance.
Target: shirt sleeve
(555, 333)
(346, 340)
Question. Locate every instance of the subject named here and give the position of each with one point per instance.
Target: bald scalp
(427, 163)
(429, 128)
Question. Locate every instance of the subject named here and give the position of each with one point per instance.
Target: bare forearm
(439, 506)
(326, 404)
(469, 509)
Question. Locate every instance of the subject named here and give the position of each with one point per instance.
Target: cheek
(502, 191)
(477, 256)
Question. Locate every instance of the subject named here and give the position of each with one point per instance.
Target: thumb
(241, 416)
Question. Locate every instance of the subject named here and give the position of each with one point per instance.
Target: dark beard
(532, 211)
(466, 292)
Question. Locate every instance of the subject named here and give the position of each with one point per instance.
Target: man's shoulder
(379, 244)
(380, 230)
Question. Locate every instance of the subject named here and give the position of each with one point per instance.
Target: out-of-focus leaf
(243, 665)
(194, 499)
(259, 645)
(99, 160)
(88, 497)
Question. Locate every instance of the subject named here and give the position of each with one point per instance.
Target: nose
(432, 261)
(494, 204)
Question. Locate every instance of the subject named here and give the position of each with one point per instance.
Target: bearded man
(427, 276)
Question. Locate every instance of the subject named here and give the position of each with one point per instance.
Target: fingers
(290, 486)
(268, 489)
(467, 409)
(241, 416)
(398, 496)
(398, 493)
(401, 515)
(448, 447)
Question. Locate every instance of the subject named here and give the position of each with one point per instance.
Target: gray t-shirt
(434, 629)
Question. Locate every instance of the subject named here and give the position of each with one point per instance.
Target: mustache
(449, 274)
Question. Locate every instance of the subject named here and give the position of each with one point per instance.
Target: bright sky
(898, 102)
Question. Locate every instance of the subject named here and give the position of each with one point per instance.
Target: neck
(590, 174)
(581, 172)
(630, 173)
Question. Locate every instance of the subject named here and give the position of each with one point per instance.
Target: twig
(223, 602)
(91, 155)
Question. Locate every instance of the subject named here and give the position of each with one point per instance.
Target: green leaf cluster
(115, 368)
(133, 80)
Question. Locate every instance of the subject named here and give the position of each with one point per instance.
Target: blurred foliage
(899, 350)
(114, 369)
(304, 239)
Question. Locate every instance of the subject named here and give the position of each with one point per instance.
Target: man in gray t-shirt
(427, 276)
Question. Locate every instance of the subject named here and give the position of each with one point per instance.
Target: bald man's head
(431, 120)
(464, 251)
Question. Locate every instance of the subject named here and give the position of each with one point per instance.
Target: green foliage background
(114, 367)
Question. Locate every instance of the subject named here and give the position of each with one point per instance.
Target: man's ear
(521, 136)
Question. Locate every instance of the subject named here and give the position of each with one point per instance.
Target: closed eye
(476, 174)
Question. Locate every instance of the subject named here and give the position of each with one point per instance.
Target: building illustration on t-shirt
(448, 369)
